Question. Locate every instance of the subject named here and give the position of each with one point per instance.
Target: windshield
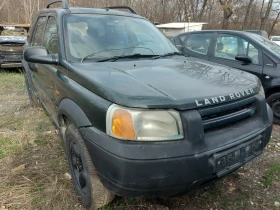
(103, 36)
(267, 44)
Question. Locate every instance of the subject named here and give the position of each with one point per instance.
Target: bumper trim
(11, 65)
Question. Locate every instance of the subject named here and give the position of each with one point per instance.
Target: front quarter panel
(271, 77)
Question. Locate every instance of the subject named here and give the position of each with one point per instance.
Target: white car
(275, 39)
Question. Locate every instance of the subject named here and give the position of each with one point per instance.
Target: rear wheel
(274, 102)
(84, 176)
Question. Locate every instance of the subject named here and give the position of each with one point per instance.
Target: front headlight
(143, 125)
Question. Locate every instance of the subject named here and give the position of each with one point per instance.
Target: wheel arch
(272, 90)
(68, 110)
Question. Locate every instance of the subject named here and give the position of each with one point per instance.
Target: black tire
(32, 98)
(274, 102)
(84, 176)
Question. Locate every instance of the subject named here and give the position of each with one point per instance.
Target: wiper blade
(115, 58)
(167, 54)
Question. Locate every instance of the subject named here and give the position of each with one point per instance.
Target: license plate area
(232, 159)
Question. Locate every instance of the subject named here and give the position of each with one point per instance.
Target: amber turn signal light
(122, 125)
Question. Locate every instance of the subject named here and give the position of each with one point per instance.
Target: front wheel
(274, 102)
(84, 176)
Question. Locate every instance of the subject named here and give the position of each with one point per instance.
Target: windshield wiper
(167, 54)
(115, 58)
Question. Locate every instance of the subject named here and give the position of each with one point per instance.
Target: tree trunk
(245, 23)
(227, 8)
(273, 24)
(264, 19)
(202, 10)
(2, 4)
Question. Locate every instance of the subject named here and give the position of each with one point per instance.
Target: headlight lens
(143, 125)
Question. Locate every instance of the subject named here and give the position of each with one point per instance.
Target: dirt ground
(33, 172)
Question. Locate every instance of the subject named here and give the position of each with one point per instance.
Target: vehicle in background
(11, 51)
(241, 50)
(12, 39)
(259, 32)
(275, 39)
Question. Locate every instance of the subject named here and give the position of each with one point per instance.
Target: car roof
(87, 10)
(223, 31)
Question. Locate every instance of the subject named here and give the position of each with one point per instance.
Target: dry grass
(33, 167)
(32, 162)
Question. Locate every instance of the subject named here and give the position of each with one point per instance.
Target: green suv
(137, 118)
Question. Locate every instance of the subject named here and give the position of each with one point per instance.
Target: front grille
(218, 117)
(11, 49)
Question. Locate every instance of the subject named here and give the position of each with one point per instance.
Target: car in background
(12, 39)
(259, 32)
(11, 51)
(241, 50)
(275, 39)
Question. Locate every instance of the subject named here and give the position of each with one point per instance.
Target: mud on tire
(84, 176)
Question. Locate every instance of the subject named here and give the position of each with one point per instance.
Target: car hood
(179, 82)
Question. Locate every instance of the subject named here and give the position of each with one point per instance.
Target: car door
(36, 40)
(198, 45)
(227, 46)
(45, 74)
(49, 72)
(270, 71)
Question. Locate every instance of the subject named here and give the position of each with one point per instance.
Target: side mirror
(180, 48)
(39, 55)
(244, 58)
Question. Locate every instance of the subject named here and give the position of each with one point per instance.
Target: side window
(50, 37)
(229, 46)
(254, 54)
(39, 31)
(199, 43)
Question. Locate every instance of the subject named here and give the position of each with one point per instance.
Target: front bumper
(10, 61)
(159, 169)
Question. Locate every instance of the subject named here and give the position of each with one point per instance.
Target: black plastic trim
(64, 4)
(123, 7)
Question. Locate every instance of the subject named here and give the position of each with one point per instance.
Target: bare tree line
(219, 14)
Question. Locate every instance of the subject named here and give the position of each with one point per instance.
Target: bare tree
(227, 6)
(245, 23)
(2, 4)
(202, 10)
(266, 15)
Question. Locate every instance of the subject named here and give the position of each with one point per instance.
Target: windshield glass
(267, 44)
(103, 36)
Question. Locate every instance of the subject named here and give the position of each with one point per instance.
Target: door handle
(267, 77)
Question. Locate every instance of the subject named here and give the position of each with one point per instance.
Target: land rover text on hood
(136, 117)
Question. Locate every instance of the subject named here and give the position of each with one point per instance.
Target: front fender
(73, 112)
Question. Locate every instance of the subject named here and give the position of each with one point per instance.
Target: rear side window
(39, 31)
(228, 46)
(199, 43)
(50, 37)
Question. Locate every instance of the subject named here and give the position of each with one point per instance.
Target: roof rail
(64, 4)
(122, 7)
